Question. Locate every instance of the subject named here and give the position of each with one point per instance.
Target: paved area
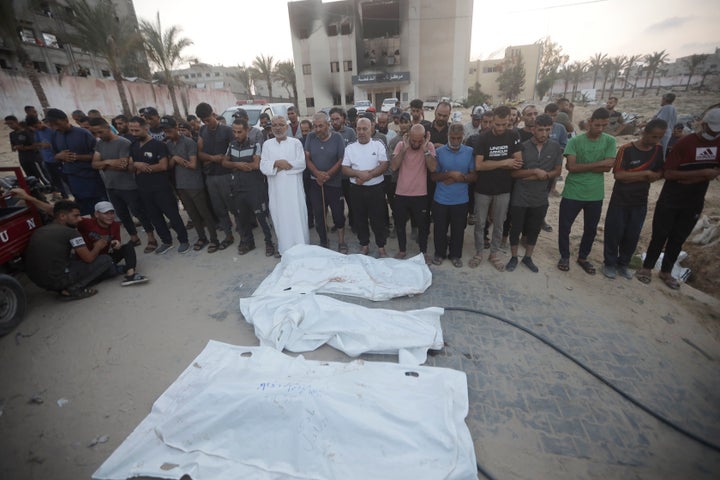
(533, 414)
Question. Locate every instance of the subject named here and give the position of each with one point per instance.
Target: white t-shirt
(365, 156)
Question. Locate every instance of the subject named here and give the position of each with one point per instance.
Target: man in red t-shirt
(693, 162)
(103, 226)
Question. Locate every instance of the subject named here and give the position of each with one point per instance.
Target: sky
(233, 32)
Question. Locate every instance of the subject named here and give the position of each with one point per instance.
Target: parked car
(255, 109)
(362, 105)
(387, 104)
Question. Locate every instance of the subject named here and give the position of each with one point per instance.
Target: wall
(71, 93)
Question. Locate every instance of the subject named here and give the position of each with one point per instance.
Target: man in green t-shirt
(589, 156)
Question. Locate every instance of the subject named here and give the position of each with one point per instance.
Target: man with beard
(293, 123)
(455, 171)
(58, 259)
(150, 162)
(283, 162)
(412, 159)
(417, 114)
(112, 156)
(152, 117)
(529, 114)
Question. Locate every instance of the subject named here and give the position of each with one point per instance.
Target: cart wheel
(12, 303)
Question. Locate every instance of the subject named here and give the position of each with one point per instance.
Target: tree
(692, 63)
(654, 61)
(9, 28)
(265, 66)
(606, 70)
(512, 79)
(245, 76)
(616, 65)
(596, 63)
(632, 61)
(285, 74)
(100, 31)
(566, 74)
(164, 49)
(476, 96)
(552, 58)
(578, 70)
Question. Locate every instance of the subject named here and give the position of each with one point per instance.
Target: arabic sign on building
(381, 77)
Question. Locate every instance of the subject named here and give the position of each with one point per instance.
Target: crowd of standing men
(490, 173)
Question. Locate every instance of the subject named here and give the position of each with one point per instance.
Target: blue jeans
(622, 232)
(569, 210)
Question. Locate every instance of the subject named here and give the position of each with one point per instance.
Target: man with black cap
(692, 163)
(152, 117)
(75, 147)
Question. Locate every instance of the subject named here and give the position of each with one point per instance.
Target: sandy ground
(111, 356)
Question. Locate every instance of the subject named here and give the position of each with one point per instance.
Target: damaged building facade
(353, 50)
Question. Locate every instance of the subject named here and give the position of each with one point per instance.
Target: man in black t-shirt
(497, 152)
(150, 162)
(637, 164)
(22, 140)
(152, 117)
(58, 259)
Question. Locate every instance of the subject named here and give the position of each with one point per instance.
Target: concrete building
(486, 72)
(375, 49)
(42, 31)
(203, 75)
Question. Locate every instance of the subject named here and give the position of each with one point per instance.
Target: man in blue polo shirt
(75, 147)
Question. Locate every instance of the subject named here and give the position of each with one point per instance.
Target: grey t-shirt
(186, 178)
(326, 154)
(534, 193)
(116, 179)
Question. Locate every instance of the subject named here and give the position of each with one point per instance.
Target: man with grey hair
(283, 161)
(324, 153)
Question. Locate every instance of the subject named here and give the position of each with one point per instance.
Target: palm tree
(285, 74)
(578, 70)
(566, 73)
(616, 64)
(100, 31)
(631, 62)
(245, 76)
(607, 68)
(596, 63)
(164, 49)
(654, 61)
(692, 63)
(265, 66)
(9, 28)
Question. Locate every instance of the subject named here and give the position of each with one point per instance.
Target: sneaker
(527, 261)
(625, 272)
(133, 279)
(471, 219)
(184, 247)
(610, 271)
(547, 228)
(163, 248)
(512, 264)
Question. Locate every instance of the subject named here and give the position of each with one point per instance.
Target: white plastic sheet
(254, 413)
(303, 322)
(306, 268)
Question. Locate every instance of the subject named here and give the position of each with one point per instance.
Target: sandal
(457, 263)
(343, 248)
(644, 275)
(497, 262)
(68, 296)
(151, 247)
(475, 261)
(437, 261)
(563, 265)
(226, 243)
(364, 250)
(213, 247)
(670, 281)
(244, 248)
(200, 244)
(587, 266)
(136, 243)
(269, 249)
(400, 255)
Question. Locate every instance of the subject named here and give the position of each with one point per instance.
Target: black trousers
(528, 221)
(125, 253)
(454, 217)
(416, 208)
(670, 228)
(368, 203)
(333, 201)
(251, 206)
(81, 274)
(163, 202)
(127, 204)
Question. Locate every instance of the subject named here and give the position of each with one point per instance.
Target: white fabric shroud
(269, 416)
(303, 322)
(307, 268)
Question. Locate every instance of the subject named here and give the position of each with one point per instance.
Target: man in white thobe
(283, 162)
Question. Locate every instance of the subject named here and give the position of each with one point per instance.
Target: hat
(370, 109)
(405, 116)
(369, 115)
(104, 207)
(240, 113)
(56, 114)
(395, 111)
(352, 113)
(151, 112)
(712, 118)
(168, 122)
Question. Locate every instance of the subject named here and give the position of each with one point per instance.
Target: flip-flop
(475, 261)
(457, 263)
(151, 247)
(200, 244)
(587, 266)
(77, 295)
(213, 247)
(343, 248)
(563, 265)
(670, 282)
(644, 276)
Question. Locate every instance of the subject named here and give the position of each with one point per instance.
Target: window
(306, 69)
(192, 75)
(337, 99)
(334, 67)
(345, 28)
(105, 73)
(217, 74)
(27, 35)
(347, 66)
(332, 30)
(310, 102)
(40, 67)
(50, 40)
(349, 99)
(186, 76)
(59, 68)
(207, 74)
